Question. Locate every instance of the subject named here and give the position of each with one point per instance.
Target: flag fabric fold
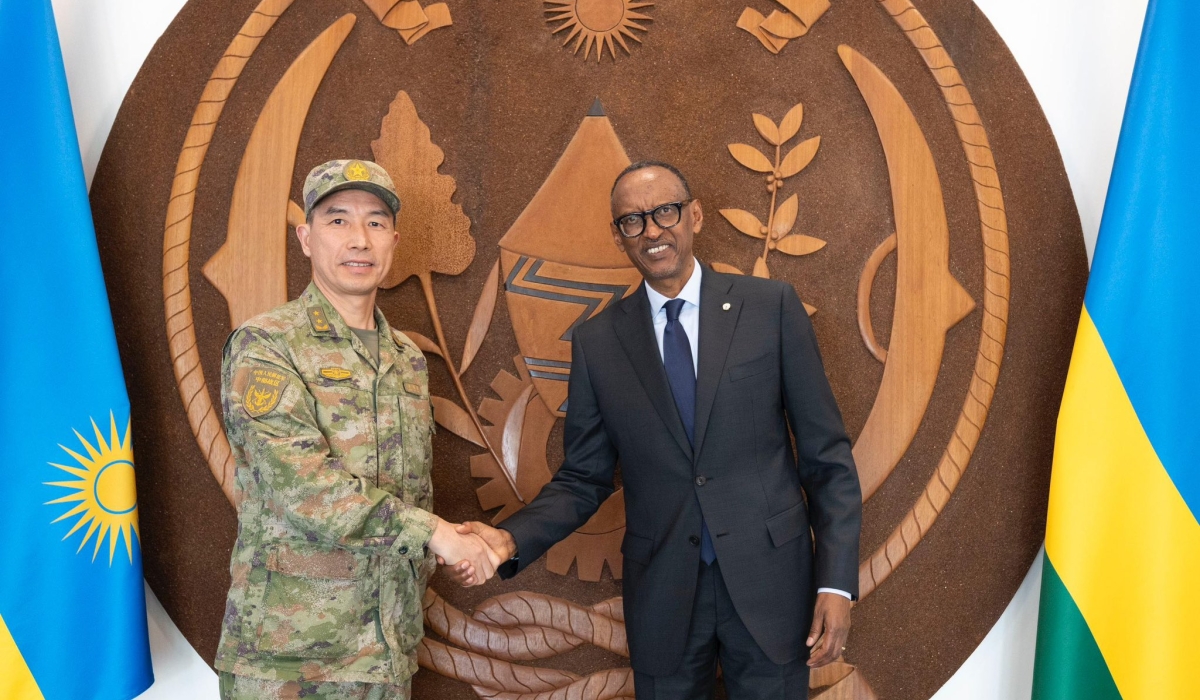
(72, 602)
(1120, 599)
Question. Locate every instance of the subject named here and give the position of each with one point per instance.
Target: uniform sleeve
(271, 415)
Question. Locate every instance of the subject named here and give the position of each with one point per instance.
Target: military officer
(327, 411)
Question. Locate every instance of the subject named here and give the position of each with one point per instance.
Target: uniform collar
(324, 320)
(690, 292)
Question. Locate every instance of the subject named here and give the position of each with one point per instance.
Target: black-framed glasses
(633, 224)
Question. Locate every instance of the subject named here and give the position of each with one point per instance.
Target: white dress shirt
(689, 318)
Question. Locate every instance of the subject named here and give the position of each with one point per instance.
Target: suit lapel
(716, 333)
(635, 331)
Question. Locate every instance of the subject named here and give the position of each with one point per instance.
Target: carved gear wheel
(599, 540)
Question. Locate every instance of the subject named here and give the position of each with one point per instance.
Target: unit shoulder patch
(265, 389)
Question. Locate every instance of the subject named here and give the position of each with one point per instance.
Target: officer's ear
(303, 231)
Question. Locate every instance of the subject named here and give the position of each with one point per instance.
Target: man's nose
(651, 229)
(358, 236)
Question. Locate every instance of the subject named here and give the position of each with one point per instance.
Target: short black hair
(643, 164)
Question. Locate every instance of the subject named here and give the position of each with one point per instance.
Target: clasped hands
(471, 552)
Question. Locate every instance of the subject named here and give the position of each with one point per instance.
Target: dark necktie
(681, 374)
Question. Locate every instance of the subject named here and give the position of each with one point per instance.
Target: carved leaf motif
(799, 157)
(760, 269)
(790, 125)
(514, 424)
(728, 269)
(767, 129)
(750, 157)
(453, 418)
(798, 244)
(424, 343)
(435, 235)
(482, 320)
(745, 222)
(785, 217)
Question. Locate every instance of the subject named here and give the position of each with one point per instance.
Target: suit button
(700, 480)
(694, 540)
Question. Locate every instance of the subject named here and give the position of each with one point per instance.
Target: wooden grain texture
(177, 235)
(438, 16)
(997, 274)
(870, 269)
(531, 471)
(776, 232)
(929, 301)
(481, 320)
(258, 213)
(597, 23)
(840, 681)
(558, 260)
(774, 31)
(435, 235)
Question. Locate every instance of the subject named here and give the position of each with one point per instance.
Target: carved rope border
(917, 521)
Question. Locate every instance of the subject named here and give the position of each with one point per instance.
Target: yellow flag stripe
(1121, 536)
(16, 680)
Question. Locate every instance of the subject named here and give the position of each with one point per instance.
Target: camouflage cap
(337, 175)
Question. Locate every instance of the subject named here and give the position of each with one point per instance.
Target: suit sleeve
(826, 465)
(289, 464)
(582, 483)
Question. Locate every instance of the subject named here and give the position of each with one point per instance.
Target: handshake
(471, 552)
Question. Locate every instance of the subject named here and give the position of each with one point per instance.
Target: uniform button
(700, 480)
(404, 549)
(694, 540)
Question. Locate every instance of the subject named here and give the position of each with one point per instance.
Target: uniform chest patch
(413, 388)
(335, 373)
(265, 389)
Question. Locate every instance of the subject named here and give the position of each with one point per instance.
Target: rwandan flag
(72, 603)
(1120, 610)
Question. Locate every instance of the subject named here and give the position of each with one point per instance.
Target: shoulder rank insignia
(335, 373)
(316, 315)
(265, 389)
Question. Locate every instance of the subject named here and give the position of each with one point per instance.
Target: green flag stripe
(1068, 665)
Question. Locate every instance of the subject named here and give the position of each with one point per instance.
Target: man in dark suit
(720, 560)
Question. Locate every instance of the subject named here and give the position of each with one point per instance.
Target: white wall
(1077, 54)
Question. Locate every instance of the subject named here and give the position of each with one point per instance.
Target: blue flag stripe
(79, 621)
(1144, 292)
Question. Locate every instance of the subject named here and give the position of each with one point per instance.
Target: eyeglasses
(633, 224)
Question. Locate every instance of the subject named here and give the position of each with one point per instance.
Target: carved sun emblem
(597, 23)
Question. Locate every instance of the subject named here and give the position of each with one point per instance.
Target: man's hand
(501, 543)
(830, 629)
(467, 550)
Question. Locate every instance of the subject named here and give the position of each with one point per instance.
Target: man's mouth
(657, 249)
(358, 263)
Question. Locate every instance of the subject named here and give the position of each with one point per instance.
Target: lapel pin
(725, 306)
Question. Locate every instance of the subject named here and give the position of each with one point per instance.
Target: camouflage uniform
(333, 465)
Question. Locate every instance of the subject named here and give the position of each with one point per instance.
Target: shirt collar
(690, 292)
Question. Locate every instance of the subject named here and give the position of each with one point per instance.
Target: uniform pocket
(313, 604)
(416, 416)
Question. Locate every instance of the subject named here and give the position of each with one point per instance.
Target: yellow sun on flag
(597, 23)
(104, 491)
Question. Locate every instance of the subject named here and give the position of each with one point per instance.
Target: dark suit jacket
(760, 374)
